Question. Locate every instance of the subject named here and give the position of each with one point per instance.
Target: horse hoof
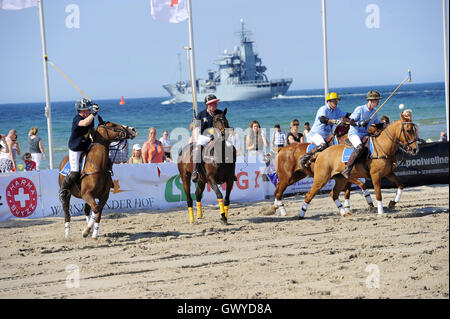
(86, 232)
(391, 204)
(223, 219)
(347, 214)
(370, 205)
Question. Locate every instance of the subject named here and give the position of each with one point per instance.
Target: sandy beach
(403, 254)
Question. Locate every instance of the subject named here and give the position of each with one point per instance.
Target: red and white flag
(173, 11)
(17, 4)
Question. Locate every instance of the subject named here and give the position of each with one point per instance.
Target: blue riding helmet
(83, 105)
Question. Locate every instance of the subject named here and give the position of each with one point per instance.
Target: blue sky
(120, 50)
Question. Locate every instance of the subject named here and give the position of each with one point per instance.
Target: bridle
(404, 147)
(123, 131)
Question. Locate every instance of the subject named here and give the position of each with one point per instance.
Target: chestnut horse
(401, 133)
(217, 169)
(95, 180)
(289, 170)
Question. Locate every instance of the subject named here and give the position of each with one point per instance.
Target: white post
(325, 57)
(444, 12)
(48, 112)
(191, 45)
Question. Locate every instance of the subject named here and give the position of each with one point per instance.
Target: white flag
(173, 11)
(17, 4)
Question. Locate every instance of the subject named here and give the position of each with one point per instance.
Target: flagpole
(325, 57)
(192, 58)
(48, 112)
(444, 10)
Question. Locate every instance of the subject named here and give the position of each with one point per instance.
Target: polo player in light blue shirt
(360, 120)
(326, 116)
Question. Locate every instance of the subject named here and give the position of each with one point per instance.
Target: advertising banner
(429, 166)
(137, 187)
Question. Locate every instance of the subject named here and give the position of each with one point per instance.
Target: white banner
(136, 187)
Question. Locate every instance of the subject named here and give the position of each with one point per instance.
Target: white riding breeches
(203, 140)
(316, 139)
(74, 159)
(355, 140)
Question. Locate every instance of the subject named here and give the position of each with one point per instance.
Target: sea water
(427, 100)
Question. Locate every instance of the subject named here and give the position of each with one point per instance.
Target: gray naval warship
(240, 77)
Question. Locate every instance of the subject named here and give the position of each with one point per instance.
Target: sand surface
(404, 254)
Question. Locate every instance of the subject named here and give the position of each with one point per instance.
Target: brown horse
(217, 169)
(289, 170)
(95, 180)
(402, 133)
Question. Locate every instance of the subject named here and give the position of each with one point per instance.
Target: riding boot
(196, 156)
(305, 158)
(67, 184)
(352, 160)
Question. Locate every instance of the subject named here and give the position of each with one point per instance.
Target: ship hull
(239, 92)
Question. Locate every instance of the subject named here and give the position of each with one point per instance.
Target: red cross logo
(21, 196)
(173, 2)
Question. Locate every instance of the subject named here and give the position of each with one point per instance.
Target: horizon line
(169, 97)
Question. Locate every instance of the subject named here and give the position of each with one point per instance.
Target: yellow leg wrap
(191, 215)
(199, 210)
(220, 201)
(226, 208)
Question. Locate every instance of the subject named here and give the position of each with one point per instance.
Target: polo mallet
(409, 80)
(53, 65)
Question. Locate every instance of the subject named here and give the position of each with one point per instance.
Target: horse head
(220, 122)
(409, 136)
(114, 132)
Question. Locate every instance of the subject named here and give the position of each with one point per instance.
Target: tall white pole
(191, 45)
(325, 57)
(48, 112)
(444, 11)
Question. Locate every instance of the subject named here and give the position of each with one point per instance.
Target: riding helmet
(83, 105)
(211, 98)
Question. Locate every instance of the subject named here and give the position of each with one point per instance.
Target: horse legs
(198, 196)
(219, 195)
(376, 181)
(226, 202)
(395, 180)
(94, 221)
(363, 188)
(186, 180)
(340, 183)
(320, 179)
(282, 184)
(65, 206)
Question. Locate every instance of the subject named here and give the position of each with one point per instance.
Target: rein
(403, 146)
(123, 134)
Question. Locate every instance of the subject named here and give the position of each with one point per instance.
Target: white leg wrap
(347, 205)
(67, 229)
(279, 204)
(398, 195)
(87, 219)
(92, 220)
(380, 207)
(339, 206)
(367, 196)
(303, 210)
(95, 232)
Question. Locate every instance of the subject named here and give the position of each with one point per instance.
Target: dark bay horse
(95, 180)
(217, 169)
(402, 133)
(289, 170)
